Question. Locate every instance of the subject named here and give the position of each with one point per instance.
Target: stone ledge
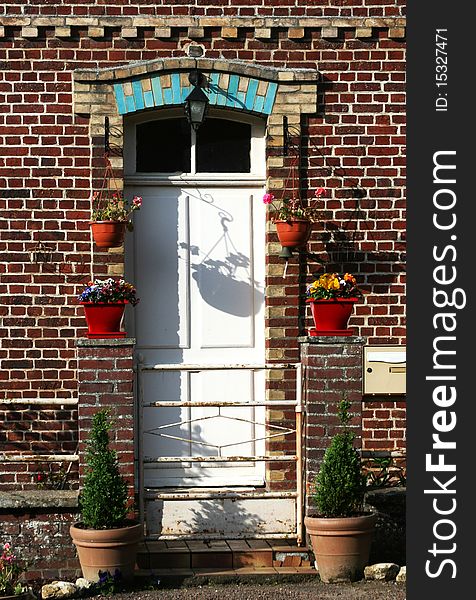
(331, 339)
(387, 498)
(39, 499)
(104, 343)
(329, 26)
(204, 64)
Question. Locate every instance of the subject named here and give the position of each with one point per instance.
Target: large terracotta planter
(104, 320)
(108, 234)
(341, 546)
(295, 233)
(331, 316)
(107, 549)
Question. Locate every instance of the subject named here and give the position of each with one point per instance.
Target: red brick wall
(353, 145)
(37, 430)
(40, 537)
(333, 372)
(384, 424)
(384, 435)
(106, 380)
(298, 8)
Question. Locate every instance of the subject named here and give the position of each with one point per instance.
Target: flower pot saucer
(108, 335)
(313, 332)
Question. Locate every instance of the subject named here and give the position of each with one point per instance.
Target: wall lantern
(196, 102)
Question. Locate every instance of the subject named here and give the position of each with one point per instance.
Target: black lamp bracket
(111, 149)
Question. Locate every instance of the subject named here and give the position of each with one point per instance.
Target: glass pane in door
(223, 147)
(163, 146)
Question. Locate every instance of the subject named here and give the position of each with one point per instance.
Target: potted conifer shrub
(341, 533)
(106, 540)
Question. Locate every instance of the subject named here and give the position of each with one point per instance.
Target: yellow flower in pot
(332, 297)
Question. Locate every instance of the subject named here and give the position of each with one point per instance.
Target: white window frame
(257, 152)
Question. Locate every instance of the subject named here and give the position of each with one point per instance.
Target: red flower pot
(108, 234)
(293, 233)
(104, 320)
(331, 316)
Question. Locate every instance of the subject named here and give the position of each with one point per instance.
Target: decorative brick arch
(233, 85)
(163, 83)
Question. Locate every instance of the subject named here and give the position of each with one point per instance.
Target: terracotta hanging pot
(108, 234)
(331, 316)
(104, 320)
(341, 546)
(293, 234)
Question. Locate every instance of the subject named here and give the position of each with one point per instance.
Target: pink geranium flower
(289, 209)
(268, 198)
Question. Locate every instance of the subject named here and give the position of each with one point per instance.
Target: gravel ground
(365, 590)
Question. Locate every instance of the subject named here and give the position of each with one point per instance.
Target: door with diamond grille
(199, 268)
(197, 259)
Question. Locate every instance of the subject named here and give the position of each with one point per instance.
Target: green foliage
(11, 569)
(340, 485)
(384, 473)
(103, 500)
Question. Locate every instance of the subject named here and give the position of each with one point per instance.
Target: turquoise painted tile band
(213, 87)
(241, 100)
(130, 104)
(120, 100)
(138, 97)
(232, 90)
(157, 91)
(251, 94)
(148, 99)
(176, 89)
(270, 98)
(259, 103)
(177, 94)
(168, 98)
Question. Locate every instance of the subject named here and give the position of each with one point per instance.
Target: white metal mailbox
(385, 369)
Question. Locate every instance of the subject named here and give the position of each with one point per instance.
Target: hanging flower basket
(111, 212)
(108, 234)
(293, 233)
(292, 218)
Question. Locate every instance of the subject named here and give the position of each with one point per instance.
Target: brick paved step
(223, 555)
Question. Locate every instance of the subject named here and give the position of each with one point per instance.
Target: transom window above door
(170, 148)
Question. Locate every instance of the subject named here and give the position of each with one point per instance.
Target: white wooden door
(198, 265)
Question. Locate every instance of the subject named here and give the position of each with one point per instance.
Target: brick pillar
(332, 370)
(106, 380)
